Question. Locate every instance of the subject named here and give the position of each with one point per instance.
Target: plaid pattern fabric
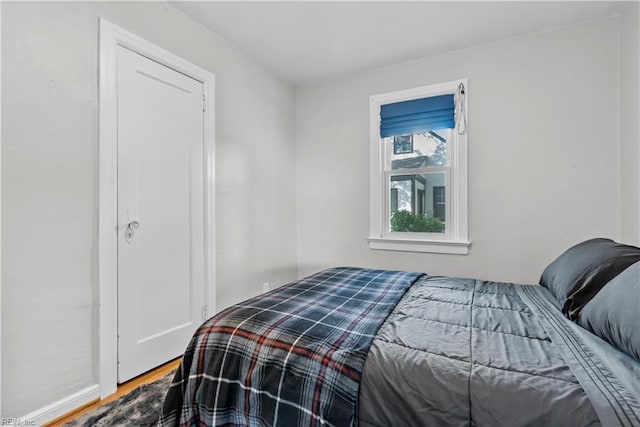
(291, 357)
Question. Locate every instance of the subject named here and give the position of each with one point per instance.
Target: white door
(161, 266)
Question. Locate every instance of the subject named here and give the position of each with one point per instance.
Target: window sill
(414, 245)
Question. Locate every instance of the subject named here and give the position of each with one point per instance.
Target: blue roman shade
(417, 115)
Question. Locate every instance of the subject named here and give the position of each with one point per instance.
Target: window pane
(417, 203)
(420, 150)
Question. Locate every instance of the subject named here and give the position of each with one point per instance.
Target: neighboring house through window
(439, 202)
(419, 169)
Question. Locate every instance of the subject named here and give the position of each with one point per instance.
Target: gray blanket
(467, 352)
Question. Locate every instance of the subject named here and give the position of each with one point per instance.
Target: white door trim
(112, 36)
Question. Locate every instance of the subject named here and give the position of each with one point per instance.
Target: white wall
(630, 123)
(49, 183)
(543, 154)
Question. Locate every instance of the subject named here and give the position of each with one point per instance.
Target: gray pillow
(614, 313)
(577, 275)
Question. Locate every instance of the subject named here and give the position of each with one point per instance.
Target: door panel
(161, 187)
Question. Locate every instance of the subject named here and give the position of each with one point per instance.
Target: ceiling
(306, 42)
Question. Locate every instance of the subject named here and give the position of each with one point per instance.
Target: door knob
(131, 227)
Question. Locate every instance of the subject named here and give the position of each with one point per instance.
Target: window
(419, 169)
(402, 144)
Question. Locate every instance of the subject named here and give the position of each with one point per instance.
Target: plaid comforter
(291, 357)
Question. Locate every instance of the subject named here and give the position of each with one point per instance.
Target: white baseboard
(63, 406)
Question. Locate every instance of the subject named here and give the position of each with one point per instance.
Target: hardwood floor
(123, 389)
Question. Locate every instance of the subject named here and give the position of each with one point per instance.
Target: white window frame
(455, 240)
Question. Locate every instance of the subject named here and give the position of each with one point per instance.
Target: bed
(353, 346)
